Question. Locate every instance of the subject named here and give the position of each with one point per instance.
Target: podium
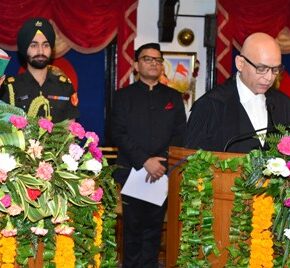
(223, 202)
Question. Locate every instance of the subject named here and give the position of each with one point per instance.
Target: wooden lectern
(223, 202)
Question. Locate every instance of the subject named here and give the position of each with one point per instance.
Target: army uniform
(55, 99)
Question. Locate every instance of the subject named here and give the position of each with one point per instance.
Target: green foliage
(197, 240)
(196, 213)
(59, 199)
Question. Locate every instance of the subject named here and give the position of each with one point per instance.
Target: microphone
(244, 136)
(177, 164)
(270, 108)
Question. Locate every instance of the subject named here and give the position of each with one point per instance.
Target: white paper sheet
(137, 187)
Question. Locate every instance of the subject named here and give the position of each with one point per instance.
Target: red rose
(33, 193)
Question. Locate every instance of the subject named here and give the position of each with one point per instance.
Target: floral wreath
(260, 220)
(55, 187)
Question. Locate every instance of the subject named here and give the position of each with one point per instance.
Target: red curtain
(88, 26)
(236, 19)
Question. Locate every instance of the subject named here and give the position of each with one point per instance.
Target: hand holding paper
(136, 186)
(154, 168)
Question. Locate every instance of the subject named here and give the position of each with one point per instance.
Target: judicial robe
(219, 122)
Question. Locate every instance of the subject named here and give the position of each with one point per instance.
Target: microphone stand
(270, 108)
(244, 136)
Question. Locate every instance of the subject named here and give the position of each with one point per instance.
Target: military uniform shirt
(56, 89)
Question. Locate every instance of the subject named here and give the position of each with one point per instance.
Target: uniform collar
(49, 75)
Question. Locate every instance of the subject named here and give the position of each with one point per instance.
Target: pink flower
(287, 202)
(39, 231)
(9, 229)
(76, 151)
(3, 175)
(6, 200)
(45, 124)
(93, 136)
(87, 187)
(18, 121)
(284, 145)
(14, 210)
(60, 219)
(44, 171)
(95, 151)
(64, 229)
(77, 130)
(97, 195)
(8, 233)
(35, 149)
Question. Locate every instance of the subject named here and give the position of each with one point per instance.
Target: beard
(38, 61)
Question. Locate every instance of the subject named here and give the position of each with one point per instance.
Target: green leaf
(16, 139)
(233, 251)
(67, 175)
(35, 215)
(30, 181)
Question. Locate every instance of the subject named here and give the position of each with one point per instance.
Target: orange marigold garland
(64, 254)
(99, 230)
(7, 251)
(261, 237)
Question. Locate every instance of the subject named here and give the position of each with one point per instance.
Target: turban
(28, 31)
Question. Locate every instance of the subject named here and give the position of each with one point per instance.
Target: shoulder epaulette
(64, 79)
(60, 73)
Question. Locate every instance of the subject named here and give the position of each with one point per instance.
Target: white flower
(35, 149)
(287, 233)
(92, 165)
(276, 166)
(7, 162)
(72, 165)
(76, 151)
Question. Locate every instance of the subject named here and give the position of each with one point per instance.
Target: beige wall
(147, 30)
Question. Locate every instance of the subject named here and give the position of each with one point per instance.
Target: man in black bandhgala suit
(147, 118)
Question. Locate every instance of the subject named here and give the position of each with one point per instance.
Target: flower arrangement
(53, 180)
(260, 220)
(196, 214)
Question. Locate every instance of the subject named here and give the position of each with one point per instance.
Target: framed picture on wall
(178, 74)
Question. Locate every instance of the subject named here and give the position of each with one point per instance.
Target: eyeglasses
(149, 59)
(263, 69)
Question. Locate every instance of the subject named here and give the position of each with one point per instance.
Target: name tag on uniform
(62, 98)
(22, 98)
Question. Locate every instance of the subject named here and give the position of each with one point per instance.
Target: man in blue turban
(39, 91)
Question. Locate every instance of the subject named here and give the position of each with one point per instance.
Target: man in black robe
(228, 117)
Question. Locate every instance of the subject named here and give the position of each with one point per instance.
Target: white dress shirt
(255, 106)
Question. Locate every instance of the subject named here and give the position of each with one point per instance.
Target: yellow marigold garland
(200, 185)
(64, 253)
(261, 237)
(99, 230)
(7, 251)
